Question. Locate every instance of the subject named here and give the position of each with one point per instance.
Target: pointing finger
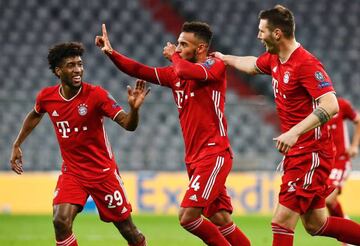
(104, 30)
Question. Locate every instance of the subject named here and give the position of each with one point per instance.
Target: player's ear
(202, 48)
(277, 33)
(57, 71)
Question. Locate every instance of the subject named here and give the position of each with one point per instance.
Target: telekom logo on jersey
(64, 128)
(179, 98)
(275, 86)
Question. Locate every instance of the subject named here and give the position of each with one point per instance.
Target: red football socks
(344, 230)
(207, 231)
(234, 235)
(70, 241)
(282, 236)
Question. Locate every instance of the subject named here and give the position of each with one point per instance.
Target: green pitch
(159, 231)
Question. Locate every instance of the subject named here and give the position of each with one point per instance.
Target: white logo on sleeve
(63, 128)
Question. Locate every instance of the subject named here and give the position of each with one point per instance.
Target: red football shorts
(109, 195)
(340, 172)
(207, 184)
(304, 182)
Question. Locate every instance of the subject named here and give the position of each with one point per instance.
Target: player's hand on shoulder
(103, 41)
(137, 95)
(16, 160)
(218, 55)
(169, 50)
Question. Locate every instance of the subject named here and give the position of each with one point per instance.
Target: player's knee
(221, 218)
(181, 216)
(187, 215)
(312, 228)
(62, 223)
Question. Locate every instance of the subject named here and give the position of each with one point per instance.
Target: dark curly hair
(201, 30)
(59, 52)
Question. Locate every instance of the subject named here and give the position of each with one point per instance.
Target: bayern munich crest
(286, 77)
(82, 109)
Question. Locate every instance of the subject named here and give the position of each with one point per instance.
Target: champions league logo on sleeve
(208, 63)
(82, 109)
(321, 78)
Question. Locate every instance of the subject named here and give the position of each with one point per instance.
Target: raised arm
(31, 121)
(246, 64)
(328, 107)
(125, 64)
(136, 97)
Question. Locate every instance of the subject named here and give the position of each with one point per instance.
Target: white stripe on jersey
(117, 114)
(121, 185)
(216, 95)
(211, 180)
(157, 76)
(107, 143)
(317, 130)
(206, 74)
(310, 173)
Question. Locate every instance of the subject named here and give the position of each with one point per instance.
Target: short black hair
(280, 17)
(59, 52)
(201, 30)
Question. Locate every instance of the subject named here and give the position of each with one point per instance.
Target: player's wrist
(109, 51)
(16, 145)
(174, 56)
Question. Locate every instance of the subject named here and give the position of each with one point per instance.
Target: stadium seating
(31, 27)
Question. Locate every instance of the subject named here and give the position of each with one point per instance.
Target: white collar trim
(68, 100)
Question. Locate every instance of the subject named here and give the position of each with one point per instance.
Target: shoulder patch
(319, 76)
(209, 63)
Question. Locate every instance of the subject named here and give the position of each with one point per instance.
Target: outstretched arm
(136, 97)
(328, 107)
(246, 64)
(30, 122)
(354, 147)
(125, 64)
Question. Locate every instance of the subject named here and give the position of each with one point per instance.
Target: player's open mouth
(77, 79)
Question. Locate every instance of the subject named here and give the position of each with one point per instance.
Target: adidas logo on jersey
(54, 113)
(193, 198)
(124, 210)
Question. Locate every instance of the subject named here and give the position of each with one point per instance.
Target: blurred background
(139, 29)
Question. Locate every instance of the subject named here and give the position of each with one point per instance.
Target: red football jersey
(297, 84)
(79, 128)
(339, 129)
(201, 106)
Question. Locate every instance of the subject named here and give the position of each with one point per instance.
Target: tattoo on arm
(322, 114)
